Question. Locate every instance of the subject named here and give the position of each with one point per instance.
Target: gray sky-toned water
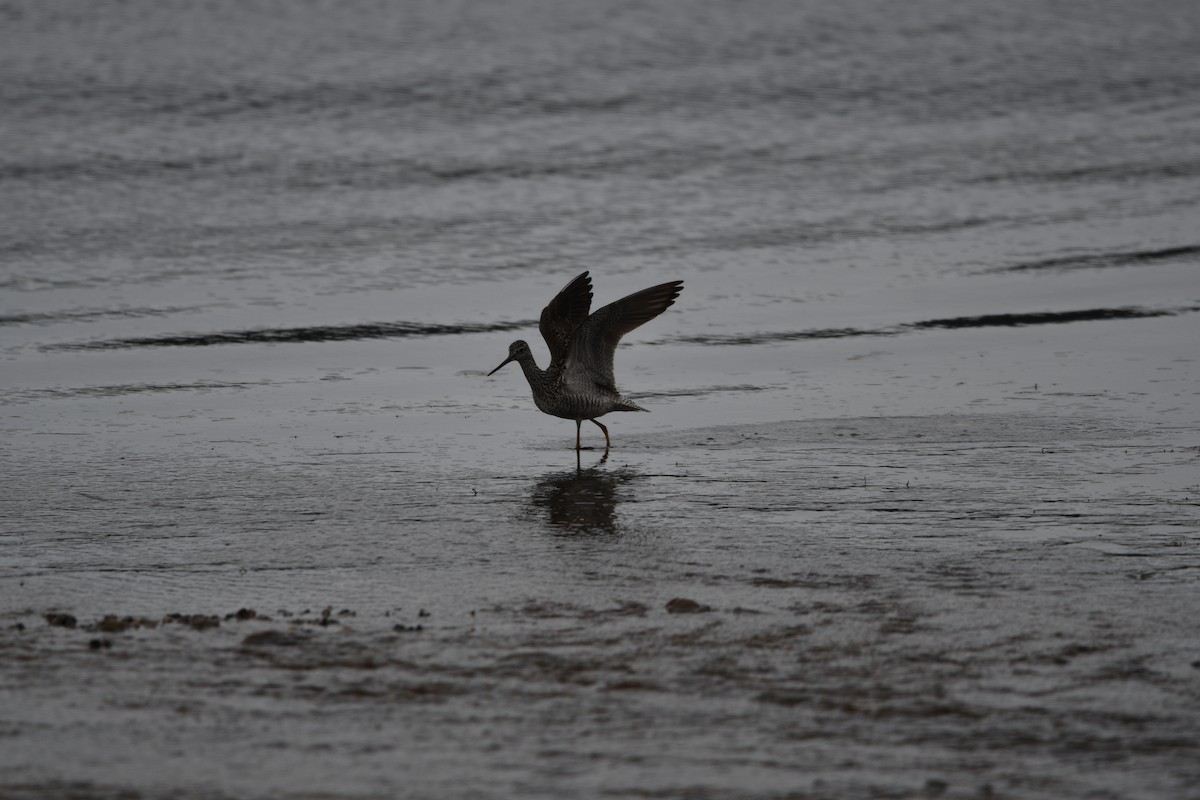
(914, 510)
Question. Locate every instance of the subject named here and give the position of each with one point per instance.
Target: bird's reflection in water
(583, 500)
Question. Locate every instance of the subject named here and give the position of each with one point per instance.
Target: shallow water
(915, 510)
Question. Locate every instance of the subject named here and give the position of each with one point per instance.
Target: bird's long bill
(497, 369)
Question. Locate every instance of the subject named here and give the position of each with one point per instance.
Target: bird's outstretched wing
(595, 340)
(564, 315)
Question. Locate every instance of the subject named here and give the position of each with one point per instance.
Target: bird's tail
(628, 405)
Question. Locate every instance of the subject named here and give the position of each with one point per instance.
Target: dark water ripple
(318, 333)
(1101, 260)
(400, 330)
(1046, 318)
(87, 315)
(122, 390)
(980, 321)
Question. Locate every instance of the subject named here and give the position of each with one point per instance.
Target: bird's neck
(533, 373)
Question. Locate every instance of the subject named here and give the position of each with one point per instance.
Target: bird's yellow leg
(607, 441)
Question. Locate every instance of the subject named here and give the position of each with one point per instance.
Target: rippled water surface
(915, 510)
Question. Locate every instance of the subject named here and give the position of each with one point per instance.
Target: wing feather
(595, 341)
(565, 313)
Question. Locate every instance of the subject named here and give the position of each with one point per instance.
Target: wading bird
(579, 382)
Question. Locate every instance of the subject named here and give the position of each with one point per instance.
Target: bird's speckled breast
(573, 398)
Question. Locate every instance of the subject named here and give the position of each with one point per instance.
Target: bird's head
(516, 351)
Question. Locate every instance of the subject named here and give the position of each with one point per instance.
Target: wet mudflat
(960, 563)
(952, 605)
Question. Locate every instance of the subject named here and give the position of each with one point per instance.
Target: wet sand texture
(961, 606)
